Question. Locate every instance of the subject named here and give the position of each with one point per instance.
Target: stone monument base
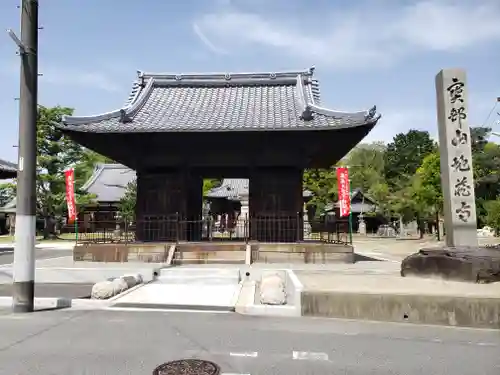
(470, 264)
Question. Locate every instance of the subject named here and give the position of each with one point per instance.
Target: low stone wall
(210, 252)
(313, 252)
(474, 312)
(120, 253)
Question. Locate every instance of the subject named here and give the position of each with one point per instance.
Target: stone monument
(242, 225)
(461, 259)
(361, 225)
(457, 180)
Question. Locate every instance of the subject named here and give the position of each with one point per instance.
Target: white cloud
(70, 77)
(63, 76)
(356, 37)
(206, 41)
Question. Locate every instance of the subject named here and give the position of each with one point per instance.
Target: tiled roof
(221, 102)
(109, 182)
(231, 188)
(355, 193)
(7, 169)
(234, 188)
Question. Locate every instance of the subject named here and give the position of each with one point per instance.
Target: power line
(490, 113)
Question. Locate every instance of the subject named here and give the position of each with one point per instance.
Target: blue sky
(383, 52)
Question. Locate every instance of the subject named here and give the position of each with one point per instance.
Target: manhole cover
(187, 367)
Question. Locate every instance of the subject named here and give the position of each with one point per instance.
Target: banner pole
(350, 210)
(76, 230)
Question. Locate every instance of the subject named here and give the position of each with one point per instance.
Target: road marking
(484, 344)
(310, 356)
(247, 354)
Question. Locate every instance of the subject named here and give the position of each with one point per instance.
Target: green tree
(128, 201)
(366, 162)
(209, 184)
(492, 217)
(427, 183)
(56, 153)
(381, 193)
(7, 192)
(322, 183)
(405, 154)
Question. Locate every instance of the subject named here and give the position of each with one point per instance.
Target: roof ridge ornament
(371, 113)
(307, 114)
(124, 117)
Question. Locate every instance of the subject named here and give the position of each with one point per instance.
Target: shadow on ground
(364, 258)
(70, 291)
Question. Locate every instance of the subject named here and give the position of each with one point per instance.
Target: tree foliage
(427, 182)
(7, 192)
(322, 183)
(56, 153)
(128, 201)
(366, 164)
(405, 154)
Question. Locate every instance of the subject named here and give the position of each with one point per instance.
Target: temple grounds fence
(266, 228)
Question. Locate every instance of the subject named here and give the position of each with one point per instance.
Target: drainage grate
(187, 367)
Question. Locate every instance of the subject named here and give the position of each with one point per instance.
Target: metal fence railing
(278, 228)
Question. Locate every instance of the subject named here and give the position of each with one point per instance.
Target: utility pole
(23, 291)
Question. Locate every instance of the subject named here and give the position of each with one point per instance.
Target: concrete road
(7, 255)
(118, 342)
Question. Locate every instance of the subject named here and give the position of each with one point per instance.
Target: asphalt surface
(118, 342)
(7, 255)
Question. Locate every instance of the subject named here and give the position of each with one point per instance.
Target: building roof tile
(109, 182)
(7, 169)
(221, 102)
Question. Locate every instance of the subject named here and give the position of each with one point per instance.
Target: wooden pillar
(276, 204)
(169, 206)
(194, 203)
(161, 199)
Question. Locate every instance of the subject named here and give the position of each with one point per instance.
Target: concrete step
(209, 247)
(208, 261)
(212, 257)
(159, 295)
(197, 280)
(199, 275)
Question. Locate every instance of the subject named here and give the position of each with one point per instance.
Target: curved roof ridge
(142, 87)
(135, 102)
(308, 96)
(7, 165)
(91, 181)
(226, 75)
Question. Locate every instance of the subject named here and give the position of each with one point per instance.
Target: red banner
(70, 194)
(344, 191)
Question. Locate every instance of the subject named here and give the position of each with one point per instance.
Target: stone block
(107, 289)
(470, 264)
(272, 290)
